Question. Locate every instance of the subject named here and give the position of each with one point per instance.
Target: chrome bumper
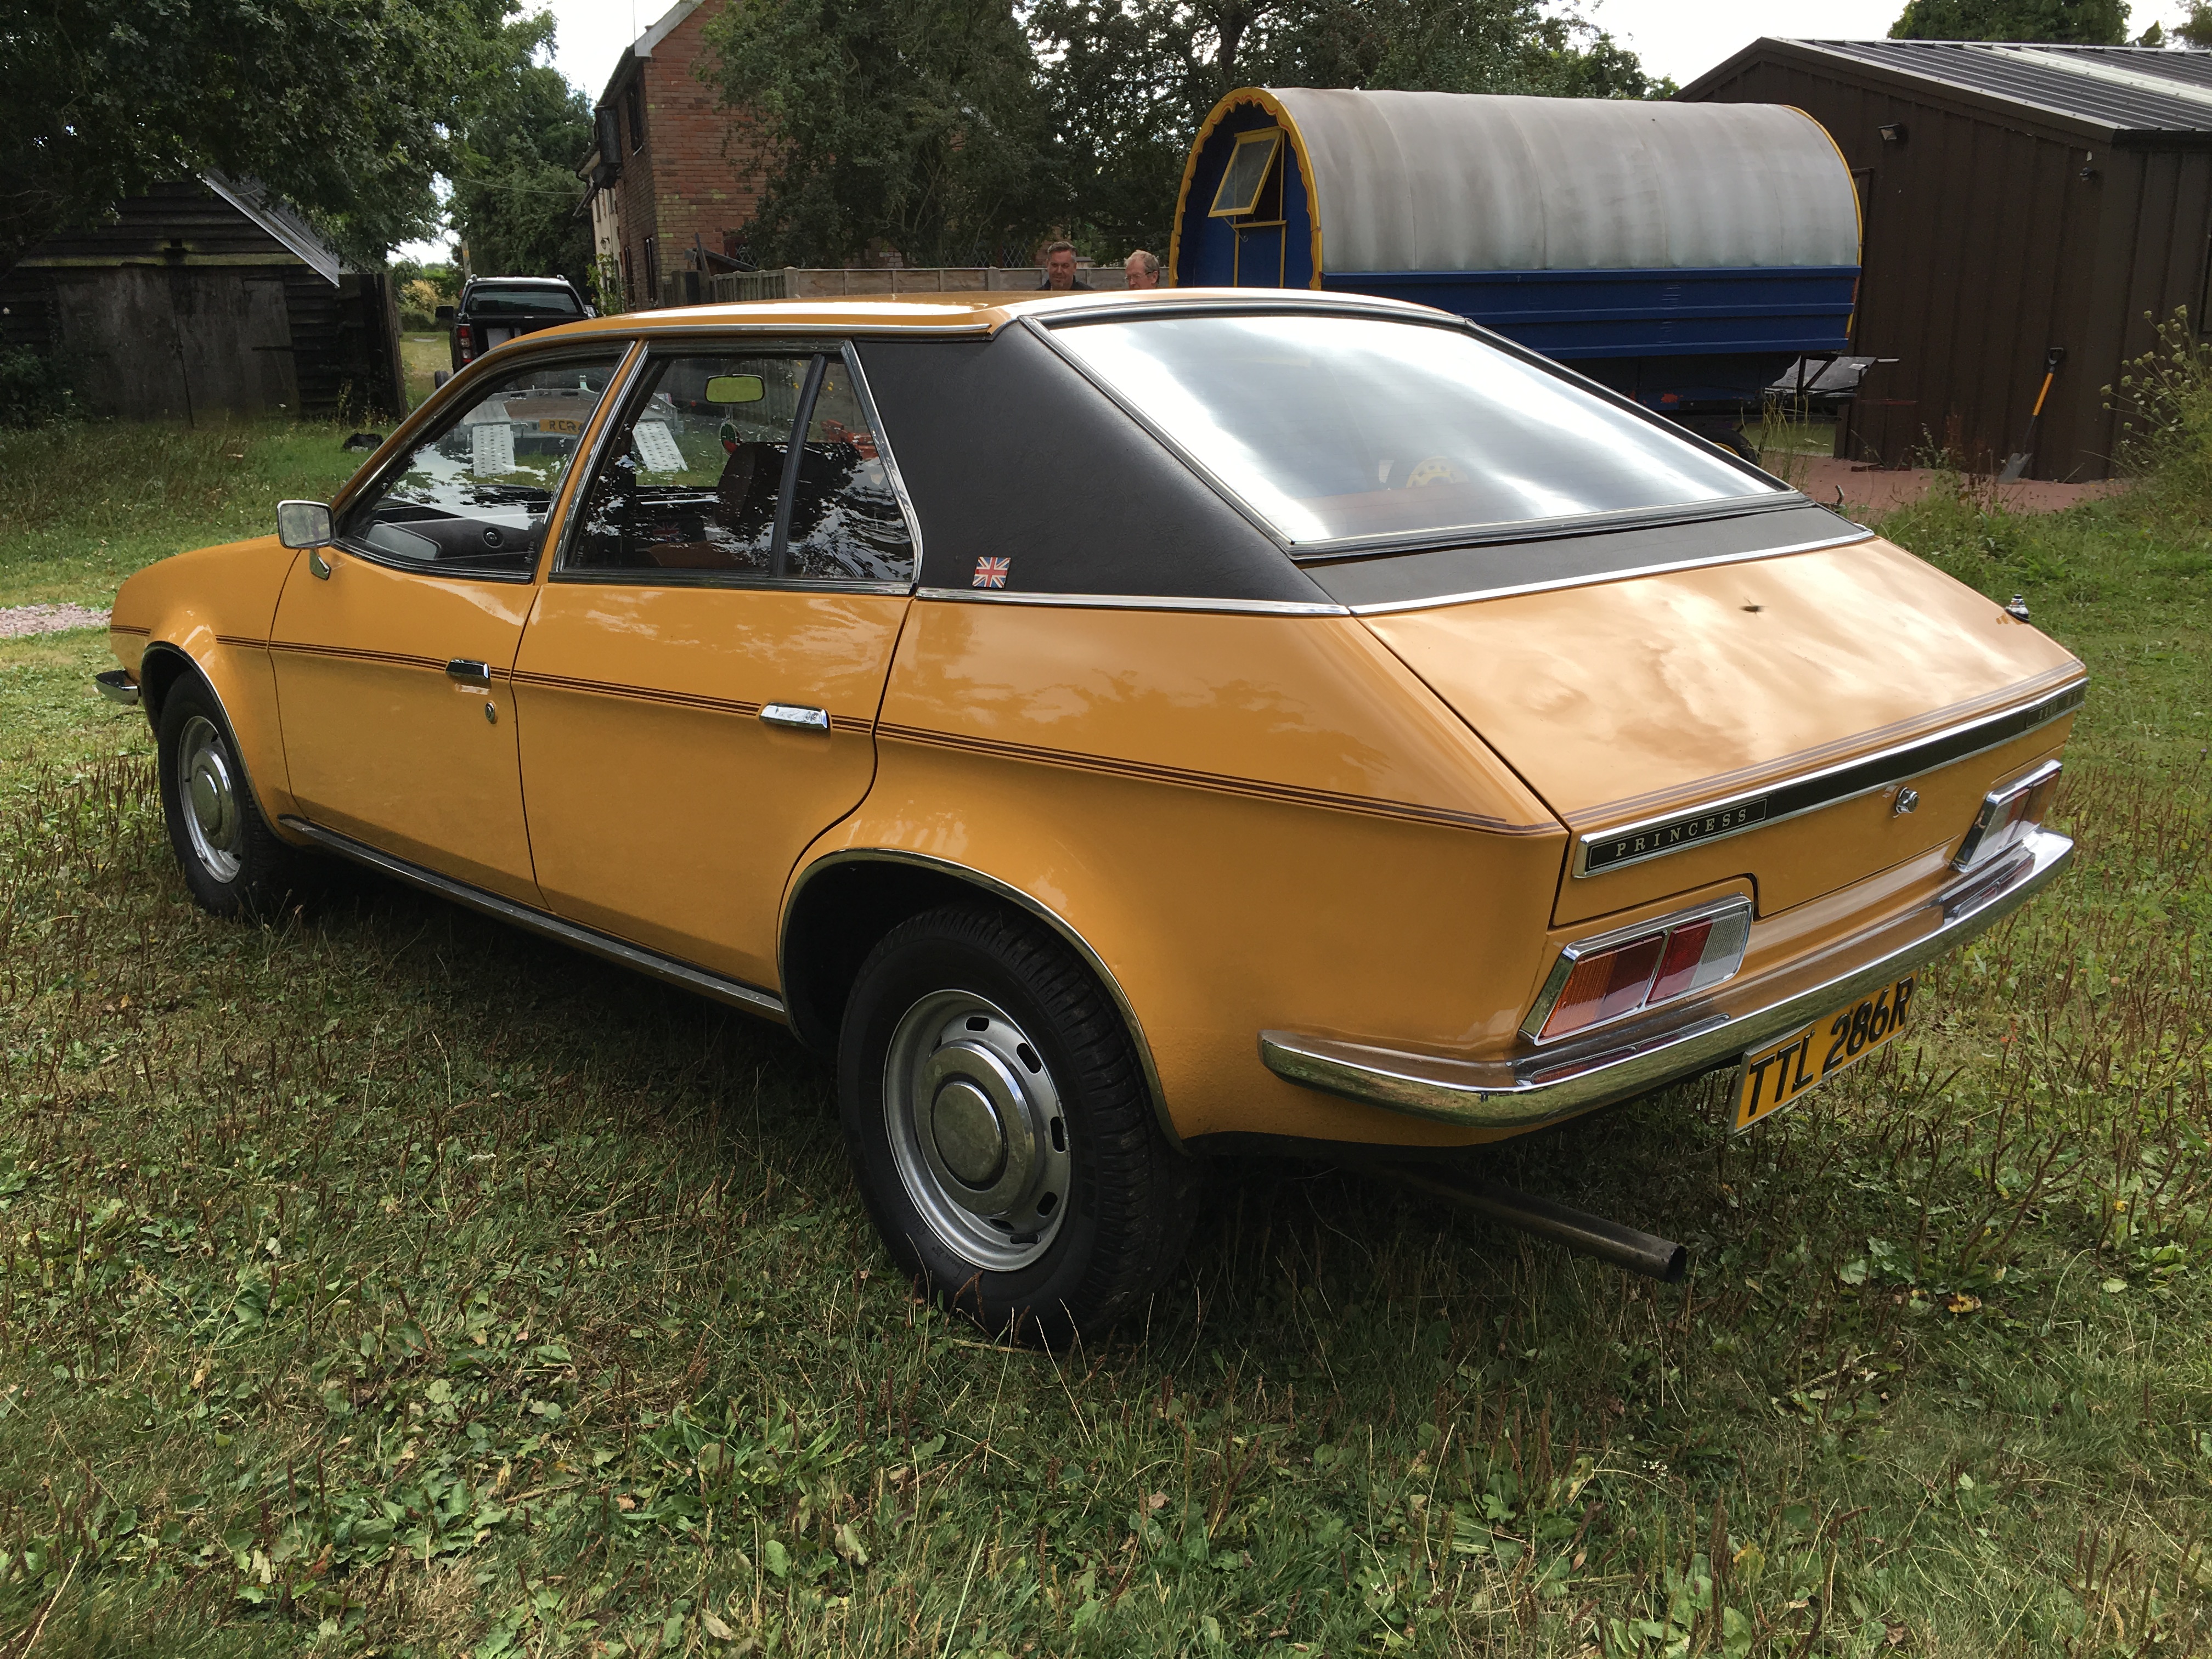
(1542, 1085)
(115, 685)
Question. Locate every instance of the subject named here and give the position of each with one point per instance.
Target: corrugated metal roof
(2135, 92)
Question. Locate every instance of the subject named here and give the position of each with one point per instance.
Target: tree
(516, 193)
(343, 106)
(2067, 22)
(1128, 82)
(911, 123)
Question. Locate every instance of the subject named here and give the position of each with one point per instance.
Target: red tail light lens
(464, 340)
(2008, 814)
(1616, 974)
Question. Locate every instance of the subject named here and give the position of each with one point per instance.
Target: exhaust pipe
(1593, 1235)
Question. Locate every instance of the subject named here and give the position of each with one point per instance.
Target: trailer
(1685, 255)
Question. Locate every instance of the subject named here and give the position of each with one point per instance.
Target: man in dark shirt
(1059, 269)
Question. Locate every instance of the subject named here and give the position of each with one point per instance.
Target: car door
(698, 686)
(392, 648)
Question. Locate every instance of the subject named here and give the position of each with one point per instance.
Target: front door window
(472, 500)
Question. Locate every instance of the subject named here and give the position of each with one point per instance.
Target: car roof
(974, 313)
(524, 281)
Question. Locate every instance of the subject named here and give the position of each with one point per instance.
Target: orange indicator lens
(1609, 983)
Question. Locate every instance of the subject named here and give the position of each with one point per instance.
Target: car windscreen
(488, 302)
(1336, 428)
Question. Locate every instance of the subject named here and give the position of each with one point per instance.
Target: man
(1143, 269)
(1059, 269)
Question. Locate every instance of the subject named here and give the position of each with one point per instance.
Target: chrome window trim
(1526, 1090)
(1899, 762)
(1850, 537)
(735, 993)
(853, 367)
(1013, 896)
(1134, 602)
(1569, 954)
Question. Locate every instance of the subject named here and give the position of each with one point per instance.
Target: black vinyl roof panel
(2128, 91)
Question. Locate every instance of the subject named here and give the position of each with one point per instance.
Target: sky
(1680, 38)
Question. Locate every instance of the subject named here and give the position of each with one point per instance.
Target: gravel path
(15, 621)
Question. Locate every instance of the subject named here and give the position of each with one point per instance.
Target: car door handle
(468, 672)
(795, 717)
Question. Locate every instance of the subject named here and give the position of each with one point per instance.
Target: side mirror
(444, 316)
(304, 524)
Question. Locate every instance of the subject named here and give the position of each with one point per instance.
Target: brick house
(673, 175)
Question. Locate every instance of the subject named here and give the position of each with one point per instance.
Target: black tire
(972, 1022)
(1729, 437)
(231, 861)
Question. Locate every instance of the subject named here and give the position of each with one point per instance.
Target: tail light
(2008, 813)
(1633, 969)
(465, 341)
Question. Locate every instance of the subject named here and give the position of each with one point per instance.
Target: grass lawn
(388, 1281)
(421, 357)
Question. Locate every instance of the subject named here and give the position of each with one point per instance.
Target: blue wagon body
(1685, 254)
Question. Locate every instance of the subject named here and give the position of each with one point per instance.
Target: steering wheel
(1432, 470)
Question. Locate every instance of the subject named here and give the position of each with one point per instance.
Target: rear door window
(741, 467)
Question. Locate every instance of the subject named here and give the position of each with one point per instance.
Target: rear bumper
(1526, 1090)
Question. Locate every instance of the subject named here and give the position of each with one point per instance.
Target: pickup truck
(495, 309)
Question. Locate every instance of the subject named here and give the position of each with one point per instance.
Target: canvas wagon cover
(1445, 181)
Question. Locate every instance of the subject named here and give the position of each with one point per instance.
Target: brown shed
(2015, 198)
(204, 297)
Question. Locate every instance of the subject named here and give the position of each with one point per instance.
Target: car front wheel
(1001, 1128)
(230, 859)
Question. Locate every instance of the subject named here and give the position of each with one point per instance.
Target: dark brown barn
(2016, 198)
(202, 299)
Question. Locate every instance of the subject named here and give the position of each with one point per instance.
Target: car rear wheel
(1001, 1129)
(230, 859)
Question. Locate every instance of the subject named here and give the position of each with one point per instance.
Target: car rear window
(485, 300)
(1341, 428)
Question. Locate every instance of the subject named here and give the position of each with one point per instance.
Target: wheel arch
(163, 667)
(842, 904)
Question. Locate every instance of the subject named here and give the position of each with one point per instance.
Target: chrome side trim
(117, 686)
(1137, 601)
(1013, 896)
(735, 993)
(1809, 792)
(1389, 607)
(1528, 1089)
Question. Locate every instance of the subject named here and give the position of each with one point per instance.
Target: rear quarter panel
(1254, 821)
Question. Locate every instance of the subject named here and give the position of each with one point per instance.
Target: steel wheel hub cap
(976, 1130)
(210, 791)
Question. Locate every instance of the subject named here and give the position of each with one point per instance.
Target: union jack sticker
(991, 572)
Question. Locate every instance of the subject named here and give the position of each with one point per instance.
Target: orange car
(1118, 726)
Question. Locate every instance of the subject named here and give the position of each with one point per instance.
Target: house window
(634, 98)
(629, 283)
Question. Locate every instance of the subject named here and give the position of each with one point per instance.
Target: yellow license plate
(554, 423)
(1775, 1076)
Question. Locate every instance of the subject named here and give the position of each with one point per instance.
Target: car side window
(473, 498)
(692, 486)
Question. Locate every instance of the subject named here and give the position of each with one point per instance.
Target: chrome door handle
(795, 717)
(468, 672)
